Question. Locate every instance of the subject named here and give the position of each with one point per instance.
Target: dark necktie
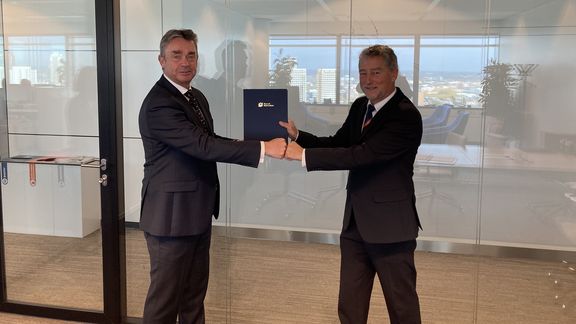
(196, 108)
(369, 115)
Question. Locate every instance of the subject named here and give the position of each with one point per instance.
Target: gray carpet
(258, 281)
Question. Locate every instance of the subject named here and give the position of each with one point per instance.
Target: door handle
(103, 180)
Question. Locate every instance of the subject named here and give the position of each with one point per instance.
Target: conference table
(528, 197)
(494, 158)
(329, 118)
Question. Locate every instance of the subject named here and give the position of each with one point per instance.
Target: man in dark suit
(180, 190)
(378, 143)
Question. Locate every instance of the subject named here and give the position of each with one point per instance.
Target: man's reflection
(27, 91)
(228, 81)
(82, 108)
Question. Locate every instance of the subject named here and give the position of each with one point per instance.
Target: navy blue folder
(263, 108)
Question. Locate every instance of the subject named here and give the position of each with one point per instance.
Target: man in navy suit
(180, 189)
(378, 143)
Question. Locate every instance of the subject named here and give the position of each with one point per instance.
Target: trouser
(394, 264)
(179, 268)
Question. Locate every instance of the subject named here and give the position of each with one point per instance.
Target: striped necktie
(369, 115)
(196, 108)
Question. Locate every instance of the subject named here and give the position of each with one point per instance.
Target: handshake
(277, 148)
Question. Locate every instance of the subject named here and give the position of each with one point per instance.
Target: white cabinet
(59, 197)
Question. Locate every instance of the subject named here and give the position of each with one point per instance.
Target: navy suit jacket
(180, 189)
(380, 189)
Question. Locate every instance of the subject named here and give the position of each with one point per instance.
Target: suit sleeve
(169, 125)
(398, 136)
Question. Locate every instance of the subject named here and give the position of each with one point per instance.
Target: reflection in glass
(315, 70)
(3, 107)
(484, 174)
(450, 69)
(50, 192)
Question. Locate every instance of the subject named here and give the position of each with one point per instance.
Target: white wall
(283, 195)
(550, 94)
(143, 24)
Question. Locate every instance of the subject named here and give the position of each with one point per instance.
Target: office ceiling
(309, 11)
(381, 10)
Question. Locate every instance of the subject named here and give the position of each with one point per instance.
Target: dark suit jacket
(180, 189)
(380, 190)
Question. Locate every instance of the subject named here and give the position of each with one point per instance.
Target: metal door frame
(112, 195)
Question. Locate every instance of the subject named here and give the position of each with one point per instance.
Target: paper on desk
(436, 159)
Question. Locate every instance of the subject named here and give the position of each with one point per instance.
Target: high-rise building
(18, 73)
(326, 85)
(299, 79)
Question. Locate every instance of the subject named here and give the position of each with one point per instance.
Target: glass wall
(49, 154)
(496, 168)
(3, 110)
(142, 25)
(530, 151)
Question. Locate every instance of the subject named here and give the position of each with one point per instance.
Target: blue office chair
(438, 135)
(438, 118)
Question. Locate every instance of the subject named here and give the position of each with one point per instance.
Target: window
(450, 67)
(315, 70)
(351, 48)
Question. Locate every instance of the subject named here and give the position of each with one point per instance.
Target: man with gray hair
(378, 143)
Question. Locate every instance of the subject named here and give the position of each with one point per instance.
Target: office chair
(564, 207)
(438, 135)
(438, 118)
(494, 136)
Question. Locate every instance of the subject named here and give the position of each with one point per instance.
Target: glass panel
(506, 173)
(3, 110)
(529, 178)
(140, 49)
(314, 72)
(134, 92)
(137, 261)
(402, 46)
(50, 192)
(450, 70)
(280, 195)
(530, 157)
(210, 21)
(141, 23)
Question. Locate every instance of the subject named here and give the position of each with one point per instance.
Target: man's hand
(290, 128)
(275, 148)
(293, 152)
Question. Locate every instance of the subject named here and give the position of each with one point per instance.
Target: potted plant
(281, 76)
(498, 95)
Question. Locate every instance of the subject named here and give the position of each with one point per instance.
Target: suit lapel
(358, 120)
(382, 114)
(183, 103)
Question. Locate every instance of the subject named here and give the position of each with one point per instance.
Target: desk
(525, 197)
(437, 169)
(448, 155)
(475, 156)
(506, 158)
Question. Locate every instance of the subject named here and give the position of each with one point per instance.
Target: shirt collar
(179, 87)
(382, 102)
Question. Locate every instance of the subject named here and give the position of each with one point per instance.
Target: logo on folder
(263, 109)
(265, 105)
